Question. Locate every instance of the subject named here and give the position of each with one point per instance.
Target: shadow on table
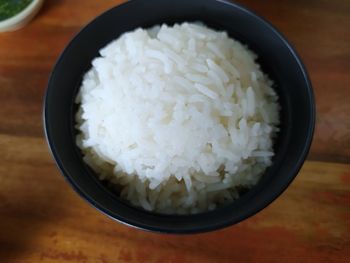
(49, 4)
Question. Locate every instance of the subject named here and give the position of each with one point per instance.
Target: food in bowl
(178, 119)
(14, 14)
(12, 8)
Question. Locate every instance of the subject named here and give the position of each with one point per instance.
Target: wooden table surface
(43, 220)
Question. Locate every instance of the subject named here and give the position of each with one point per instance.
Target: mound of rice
(177, 118)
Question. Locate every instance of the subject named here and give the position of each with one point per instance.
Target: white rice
(177, 118)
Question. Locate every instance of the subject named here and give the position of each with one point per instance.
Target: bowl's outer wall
(278, 60)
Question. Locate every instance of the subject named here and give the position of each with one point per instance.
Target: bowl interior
(278, 60)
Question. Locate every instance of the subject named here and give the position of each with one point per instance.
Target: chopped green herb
(9, 8)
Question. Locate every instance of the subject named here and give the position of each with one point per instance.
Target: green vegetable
(9, 8)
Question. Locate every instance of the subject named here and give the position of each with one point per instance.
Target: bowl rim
(214, 226)
(23, 17)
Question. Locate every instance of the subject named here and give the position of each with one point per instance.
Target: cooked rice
(177, 118)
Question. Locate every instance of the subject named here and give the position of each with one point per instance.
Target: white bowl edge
(22, 18)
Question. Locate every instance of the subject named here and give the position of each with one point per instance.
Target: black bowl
(277, 58)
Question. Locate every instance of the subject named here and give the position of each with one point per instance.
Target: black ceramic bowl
(277, 58)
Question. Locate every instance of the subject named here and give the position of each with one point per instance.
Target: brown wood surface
(43, 220)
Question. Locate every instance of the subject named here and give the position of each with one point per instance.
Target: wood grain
(43, 220)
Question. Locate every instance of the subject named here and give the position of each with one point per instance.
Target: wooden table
(43, 220)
